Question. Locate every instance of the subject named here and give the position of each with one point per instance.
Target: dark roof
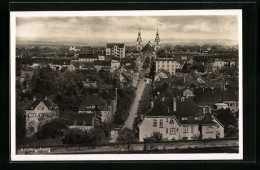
(187, 107)
(47, 102)
(160, 109)
(61, 61)
(88, 56)
(102, 63)
(111, 45)
(93, 99)
(148, 49)
(209, 96)
(80, 118)
(230, 95)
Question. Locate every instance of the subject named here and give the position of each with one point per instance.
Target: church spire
(139, 41)
(157, 41)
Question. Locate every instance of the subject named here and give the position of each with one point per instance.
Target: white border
(94, 157)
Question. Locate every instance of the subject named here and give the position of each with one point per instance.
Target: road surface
(135, 103)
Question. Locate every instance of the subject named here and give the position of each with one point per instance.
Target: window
(166, 130)
(40, 108)
(196, 118)
(171, 120)
(155, 123)
(161, 123)
(184, 118)
(31, 115)
(185, 129)
(191, 129)
(166, 119)
(172, 131)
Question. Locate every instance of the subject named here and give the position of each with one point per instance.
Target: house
(168, 64)
(39, 112)
(101, 57)
(187, 92)
(25, 75)
(231, 99)
(161, 74)
(73, 49)
(87, 57)
(180, 120)
(218, 106)
(102, 64)
(218, 64)
(81, 121)
(92, 102)
(90, 84)
(116, 49)
(115, 64)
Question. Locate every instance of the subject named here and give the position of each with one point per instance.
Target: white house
(184, 120)
(38, 113)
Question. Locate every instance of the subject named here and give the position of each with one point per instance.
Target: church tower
(139, 41)
(157, 41)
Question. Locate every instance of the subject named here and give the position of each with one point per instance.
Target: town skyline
(172, 29)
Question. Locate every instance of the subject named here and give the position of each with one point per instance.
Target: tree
(52, 129)
(227, 118)
(20, 126)
(126, 135)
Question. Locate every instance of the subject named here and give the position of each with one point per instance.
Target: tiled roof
(148, 49)
(230, 95)
(93, 99)
(88, 56)
(160, 109)
(61, 61)
(209, 96)
(119, 45)
(80, 118)
(102, 63)
(47, 102)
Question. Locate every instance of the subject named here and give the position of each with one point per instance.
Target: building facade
(116, 49)
(38, 113)
(183, 121)
(168, 64)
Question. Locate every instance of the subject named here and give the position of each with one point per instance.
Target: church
(149, 49)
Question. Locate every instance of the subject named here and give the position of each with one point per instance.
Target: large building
(116, 49)
(168, 64)
(38, 113)
(180, 120)
(139, 42)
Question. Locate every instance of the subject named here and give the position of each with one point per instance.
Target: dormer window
(171, 120)
(184, 118)
(196, 118)
(40, 108)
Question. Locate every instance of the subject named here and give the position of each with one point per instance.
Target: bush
(126, 135)
(157, 136)
(51, 129)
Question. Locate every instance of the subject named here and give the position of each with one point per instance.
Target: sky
(123, 28)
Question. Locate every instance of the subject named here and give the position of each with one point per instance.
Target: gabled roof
(148, 49)
(160, 109)
(102, 63)
(93, 99)
(208, 96)
(80, 118)
(49, 103)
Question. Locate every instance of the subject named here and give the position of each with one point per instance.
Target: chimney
(46, 98)
(184, 79)
(204, 110)
(152, 102)
(168, 109)
(34, 98)
(174, 104)
(203, 89)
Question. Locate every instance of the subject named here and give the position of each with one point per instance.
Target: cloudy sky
(123, 28)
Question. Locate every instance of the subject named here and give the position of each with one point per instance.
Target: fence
(130, 147)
